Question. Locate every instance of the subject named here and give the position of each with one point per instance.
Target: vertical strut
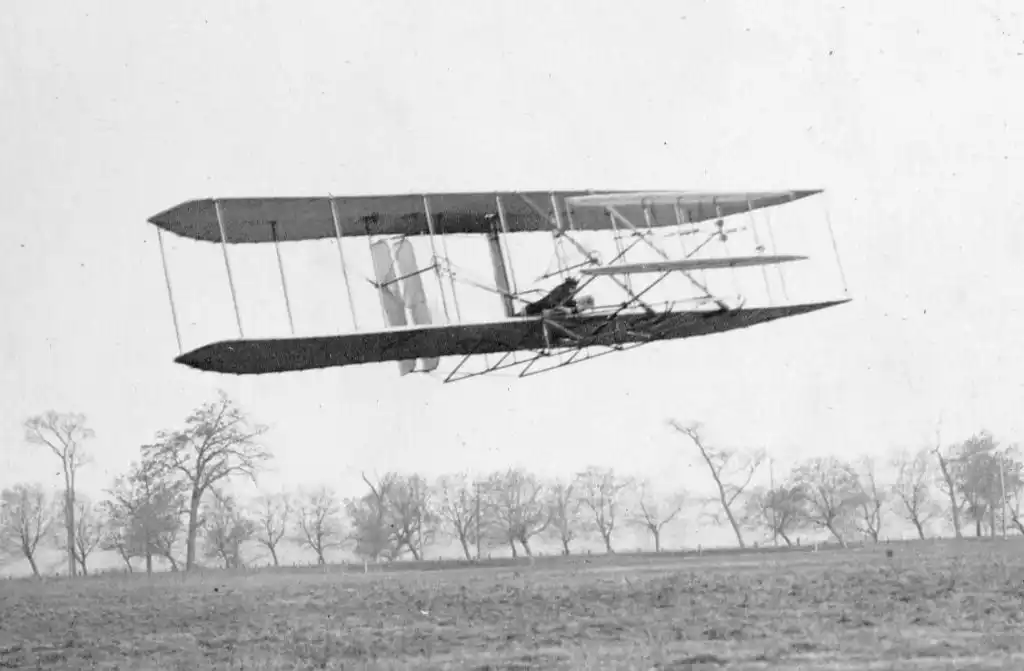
(835, 250)
(227, 264)
(170, 294)
(556, 235)
(725, 245)
(508, 252)
(683, 218)
(437, 268)
(618, 247)
(341, 257)
(280, 267)
(771, 238)
(757, 241)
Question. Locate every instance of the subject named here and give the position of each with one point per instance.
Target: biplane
(541, 327)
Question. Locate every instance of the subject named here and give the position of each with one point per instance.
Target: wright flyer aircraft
(590, 302)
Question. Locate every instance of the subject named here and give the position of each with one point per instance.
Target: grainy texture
(935, 606)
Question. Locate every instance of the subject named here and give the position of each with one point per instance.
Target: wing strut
(835, 249)
(760, 249)
(280, 267)
(170, 294)
(508, 252)
(227, 265)
(433, 260)
(615, 214)
(341, 258)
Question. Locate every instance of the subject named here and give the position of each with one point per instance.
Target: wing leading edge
(255, 357)
(264, 220)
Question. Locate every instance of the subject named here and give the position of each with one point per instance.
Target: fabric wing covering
(256, 357)
(257, 220)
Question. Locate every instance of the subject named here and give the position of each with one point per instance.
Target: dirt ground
(930, 606)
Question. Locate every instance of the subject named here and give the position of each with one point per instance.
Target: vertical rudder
(412, 290)
(390, 295)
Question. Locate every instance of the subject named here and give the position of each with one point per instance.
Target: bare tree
(368, 517)
(977, 474)
(832, 494)
(1014, 479)
(144, 513)
(912, 490)
(117, 538)
(411, 519)
(457, 507)
(272, 512)
(226, 529)
(873, 502)
(217, 443)
(25, 520)
(319, 524)
(517, 509)
(948, 482)
(64, 435)
(779, 512)
(731, 470)
(564, 513)
(654, 512)
(602, 493)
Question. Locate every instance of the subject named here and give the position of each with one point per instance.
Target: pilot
(561, 296)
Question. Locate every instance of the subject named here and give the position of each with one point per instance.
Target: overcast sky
(909, 116)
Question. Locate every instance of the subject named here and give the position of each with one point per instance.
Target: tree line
(173, 503)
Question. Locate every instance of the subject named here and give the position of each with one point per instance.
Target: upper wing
(255, 220)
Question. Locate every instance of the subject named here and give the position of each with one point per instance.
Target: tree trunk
(977, 528)
(69, 518)
(838, 536)
(32, 563)
(171, 560)
(526, 547)
(608, 542)
(320, 556)
(951, 490)
(149, 562)
(465, 548)
(512, 544)
(728, 510)
(785, 538)
(193, 528)
(126, 558)
(657, 539)
(920, 527)
(273, 554)
(565, 547)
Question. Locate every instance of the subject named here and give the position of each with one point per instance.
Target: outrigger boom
(563, 327)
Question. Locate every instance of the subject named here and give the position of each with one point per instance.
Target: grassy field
(929, 606)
